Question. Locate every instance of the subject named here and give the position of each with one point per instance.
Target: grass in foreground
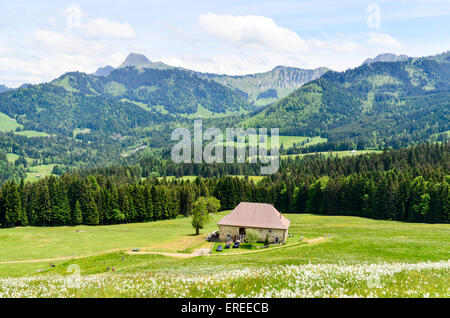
(363, 280)
(353, 240)
(411, 260)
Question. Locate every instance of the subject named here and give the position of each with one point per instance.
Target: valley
(137, 118)
(90, 196)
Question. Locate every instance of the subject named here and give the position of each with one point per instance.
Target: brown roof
(260, 215)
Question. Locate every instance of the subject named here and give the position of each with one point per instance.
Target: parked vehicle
(228, 245)
(236, 244)
(219, 248)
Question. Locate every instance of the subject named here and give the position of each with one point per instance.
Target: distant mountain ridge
(260, 88)
(376, 104)
(386, 57)
(140, 61)
(3, 88)
(104, 71)
(267, 87)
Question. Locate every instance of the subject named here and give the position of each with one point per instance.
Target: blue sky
(43, 39)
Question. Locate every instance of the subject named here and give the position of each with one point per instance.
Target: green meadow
(38, 172)
(32, 133)
(7, 123)
(255, 179)
(340, 154)
(338, 257)
(289, 141)
(349, 239)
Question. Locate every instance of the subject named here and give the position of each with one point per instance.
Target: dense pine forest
(411, 184)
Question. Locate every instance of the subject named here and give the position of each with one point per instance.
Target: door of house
(241, 234)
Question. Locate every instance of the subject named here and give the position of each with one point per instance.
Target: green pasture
(349, 239)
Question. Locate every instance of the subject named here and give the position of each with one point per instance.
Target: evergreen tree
(77, 216)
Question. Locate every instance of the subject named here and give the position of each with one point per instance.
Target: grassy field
(37, 172)
(340, 154)
(12, 157)
(202, 112)
(289, 141)
(7, 123)
(255, 179)
(184, 178)
(411, 259)
(32, 133)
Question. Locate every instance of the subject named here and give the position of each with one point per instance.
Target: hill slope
(3, 88)
(174, 90)
(378, 104)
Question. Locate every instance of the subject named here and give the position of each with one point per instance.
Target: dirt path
(197, 252)
(205, 252)
(64, 258)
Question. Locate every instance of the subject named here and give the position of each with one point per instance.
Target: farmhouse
(262, 217)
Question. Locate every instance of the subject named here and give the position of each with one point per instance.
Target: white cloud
(339, 45)
(346, 47)
(81, 44)
(37, 70)
(256, 32)
(6, 50)
(107, 28)
(384, 40)
(67, 43)
(98, 27)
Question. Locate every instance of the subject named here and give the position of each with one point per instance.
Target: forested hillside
(173, 91)
(411, 184)
(81, 121)
(377, 105)
(56, 110)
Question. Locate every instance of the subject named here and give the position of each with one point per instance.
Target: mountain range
(260, 89)
(386, 57)
(3, 88)
(103, 117)
(379, 104)
(268, 87)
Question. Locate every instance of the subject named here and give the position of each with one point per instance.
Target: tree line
(410, 184)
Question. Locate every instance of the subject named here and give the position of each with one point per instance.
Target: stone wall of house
(227, 232)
